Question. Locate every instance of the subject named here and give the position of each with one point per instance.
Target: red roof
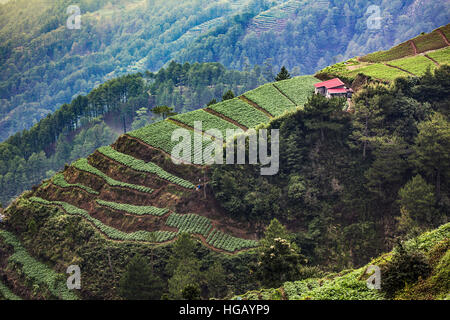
(340, 90)
(333, 83)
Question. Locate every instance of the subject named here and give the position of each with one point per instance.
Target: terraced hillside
(275, 18)
(351, 284)
(132, 193)
(411, 58)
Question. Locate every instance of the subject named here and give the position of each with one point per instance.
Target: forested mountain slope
(75, 130)
(131, 196)
(44, 64)
(351, 183)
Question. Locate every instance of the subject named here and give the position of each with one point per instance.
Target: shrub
(405, 268)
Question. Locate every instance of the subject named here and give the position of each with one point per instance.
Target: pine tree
(283, 74)
(138, 282)
(228, 95)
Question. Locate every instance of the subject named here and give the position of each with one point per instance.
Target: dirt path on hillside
(413, 46)
(161, 150)
(285, 95)
(186, 126)
(255, 105)
(391, 66)
(443, 37)
(430, 58)
(217, 114)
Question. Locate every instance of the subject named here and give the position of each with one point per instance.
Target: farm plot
(159, 135)
(240, 112)
(190, 223)
(209, 121)
(36, 271)
(416, 65)
(298, 89)
(442, 56)
(60, 181)
(142, 166)
(270, 99)
(110, 232)
(221, 240)
(132, 209)
(400, 51)
(380, 71)
(83, 165)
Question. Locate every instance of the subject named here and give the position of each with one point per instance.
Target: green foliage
(208, 121)
(83, 165)
(224, 241)
(442, 56)
(137, 210)
(417, 65)
(140, 165)
(159, 135)
(405, 268)
(6, 293)
(283, 74)
(228, 95)
(163, 111)
(278, 263)
(241, 112)
(138, 282)
(36, 271)
(298, 89)
(190, 223)
(432, 150)
(418, 200)
(191, 292)
(60, 181)
(270, 99)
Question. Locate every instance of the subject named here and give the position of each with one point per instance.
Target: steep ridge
(116, 187)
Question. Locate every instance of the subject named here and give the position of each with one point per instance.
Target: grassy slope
(351, 284)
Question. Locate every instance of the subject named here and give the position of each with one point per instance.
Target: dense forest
(89, 122)
(44, 64)
(349, 184)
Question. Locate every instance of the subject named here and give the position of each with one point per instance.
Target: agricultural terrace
(110, 232)
(60, 181)
(209, 121)
(379, 71)
(241, 112)
(298, 89)
(442, 56)
(429, 41)
(142, 166)
(270, 99)
(190, 223)
(83, 165)
(224, 241)
(402, 50)
(132, 209)
(7, 294)
(159, 135)
(38, 273)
